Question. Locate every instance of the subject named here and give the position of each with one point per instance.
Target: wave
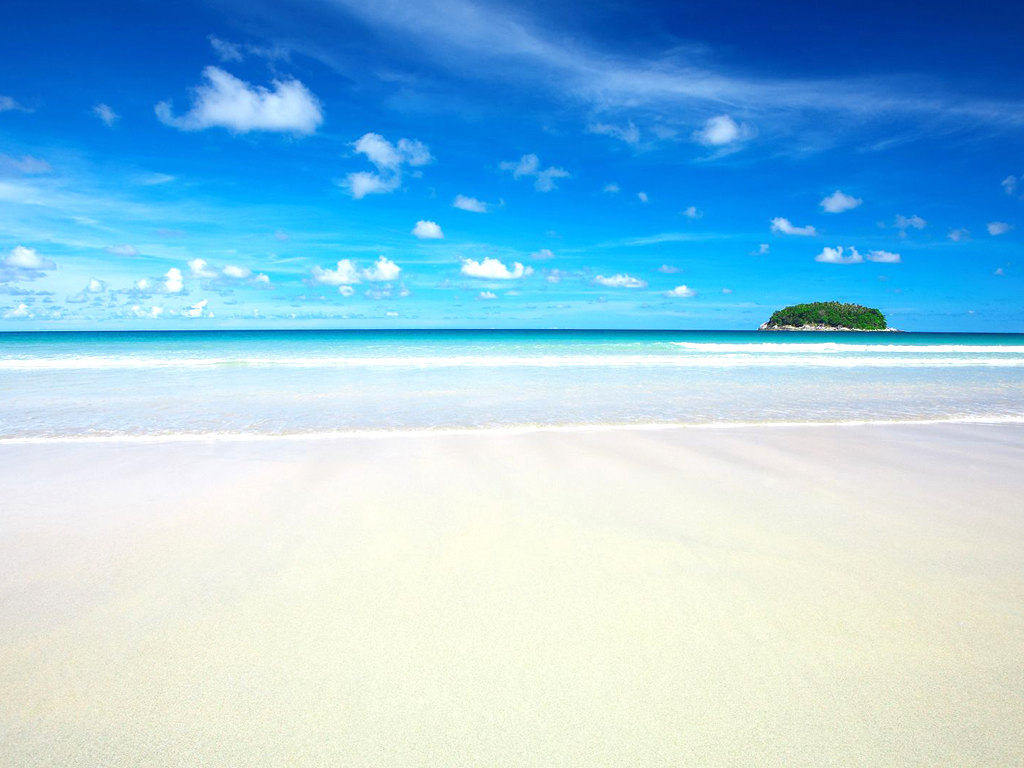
(496, 361)
(835, 346)
(176, 437)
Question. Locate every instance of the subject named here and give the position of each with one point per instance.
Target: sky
(450, 163)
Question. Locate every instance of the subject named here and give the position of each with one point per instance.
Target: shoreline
(515, 429)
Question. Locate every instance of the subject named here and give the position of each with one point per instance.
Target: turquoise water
(114, 385)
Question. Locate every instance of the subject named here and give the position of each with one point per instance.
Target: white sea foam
(189, 437)
(839, 347)
(720, 360)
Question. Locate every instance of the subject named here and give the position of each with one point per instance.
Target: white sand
(751, 597)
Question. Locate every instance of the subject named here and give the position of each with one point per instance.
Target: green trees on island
(829, 314)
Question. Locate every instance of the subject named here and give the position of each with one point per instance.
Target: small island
(826, 316)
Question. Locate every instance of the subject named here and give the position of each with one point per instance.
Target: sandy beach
(806, 596)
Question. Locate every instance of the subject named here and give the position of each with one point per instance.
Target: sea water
(279, 383)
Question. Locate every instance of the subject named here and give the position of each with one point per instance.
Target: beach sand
(805, 596)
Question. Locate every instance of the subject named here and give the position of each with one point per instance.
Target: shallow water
(59, 385)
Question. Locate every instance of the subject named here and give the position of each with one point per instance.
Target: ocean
(230, 384)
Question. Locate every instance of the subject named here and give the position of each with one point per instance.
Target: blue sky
(460, 164)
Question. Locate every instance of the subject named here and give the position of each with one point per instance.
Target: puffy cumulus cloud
(486, 296)
(903, 223)
(142, 284)
(427, 230)
(835, 256)
(382, 270)
(106, 115)
(996, 228)
(642, 197)
(692, 213)
(388, 159)
(152, 313)
(620, 281)
(838, 255)
(761, 250)
(261, 280)
(838, 202)
(883, 257)
(528, 166)
(199, 268)
(93, 288)
(493, 269)
(611, 188)
(21, 263)
(224, 101)
(680, 292)
(18, 313)
(668, 269)
(173, 281)
(628, 133)
(959, 235)
(197, 310)
(346, 273)
(543, 254)
(346, 290)
(722, 131)
(128, 251)
(236, 273)
(470, 204)
(781, 226)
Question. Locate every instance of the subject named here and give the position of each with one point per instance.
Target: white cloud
(152, 313)
(998, 228)
(542, 254)
(668, 269)
(96, 286)
(261, 279)
(173, 282)
(628, 133)
(680, 292)
(199, 268)
(21, 257)
(959, 235)
(1009, 184)
(486, 295)
(838, 202)
(835, 256)
(25, 164)
(8, 104)
(998, 273)
(382, 270)
(909, 222)
(106, 114)
(611, 188)
(122, 250)
(346, 290)
(721, 131)
(762, 250)
(142, 284)
(784, 227)
(18, 312)
(529, 166)
(693, 213)
(493, 269)
(196, 310)
(470, 204)
(427, 230)
(727, 291)
(642, 196)
(620, 281)
(225, 51)
(389, 160)
(345, 274)
(883, 257)
(238, 273)
(224, 101)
